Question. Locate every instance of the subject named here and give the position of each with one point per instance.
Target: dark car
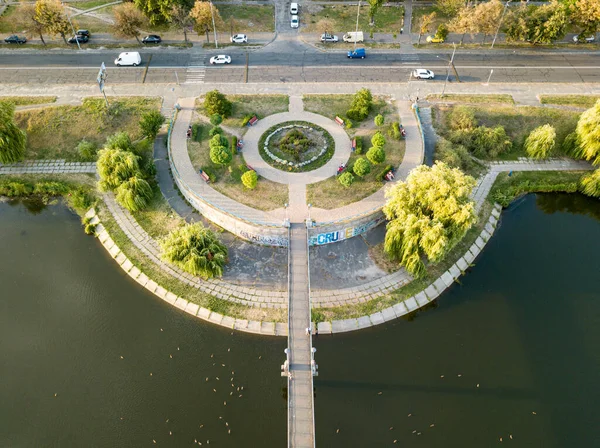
(15, 39)
(82, 39)
(83, 33)
(152, 39)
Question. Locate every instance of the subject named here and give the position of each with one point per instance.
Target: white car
(588, 40)
(295, 22)
(220, 59)
(239, 39)
(422, 73)
(294, 9)
(328, 38)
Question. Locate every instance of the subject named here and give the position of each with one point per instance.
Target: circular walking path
(343, 146)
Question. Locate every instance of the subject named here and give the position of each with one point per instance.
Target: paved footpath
(48, 167)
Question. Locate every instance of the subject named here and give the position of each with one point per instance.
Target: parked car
(15, 39)
(294, 9)
(78, 37)
(353, 36)
(152, 39)
(435, 40)
(422, 73)
(83, 33)
(328, 38)
(129, 58)
(358, 53)
(220, 59)
(239, 39)
(295, 22)
(577, 39)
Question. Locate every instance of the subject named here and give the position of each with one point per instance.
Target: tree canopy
(50, 14)
(27, 19)
(12, 139)
(196, 250)
(202, 14)
(128, 21)
(588, 134)
(428, 215)
(540, 142)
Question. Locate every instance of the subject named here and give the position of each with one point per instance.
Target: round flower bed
(296, 146)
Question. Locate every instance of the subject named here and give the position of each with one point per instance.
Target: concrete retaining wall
(337, 231)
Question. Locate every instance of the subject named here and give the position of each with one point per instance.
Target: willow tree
(588, 134)
(196, 250)
(12, 139)
(590, 184)
(540, 142)
(134, 194)
(428, 215)
(116, 166)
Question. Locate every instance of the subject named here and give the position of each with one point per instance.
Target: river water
(88, 358)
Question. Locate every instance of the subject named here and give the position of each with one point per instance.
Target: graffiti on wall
(264, 239)
(343, 234)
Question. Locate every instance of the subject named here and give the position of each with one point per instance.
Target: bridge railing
(289, 316)
(312, 388)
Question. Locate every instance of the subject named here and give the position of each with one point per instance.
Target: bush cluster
(250, 179)
(220, 153)
(217, 103)
(361, 105)
(78, 197)
(346, 178)
(361, 167)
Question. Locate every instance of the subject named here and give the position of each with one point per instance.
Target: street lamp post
(357, 15)
(450, 63)
(213, 22)
(500, 23)
(72, 29)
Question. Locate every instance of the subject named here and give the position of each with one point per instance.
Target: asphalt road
(293, 62)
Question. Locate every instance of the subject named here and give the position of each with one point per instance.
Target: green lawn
(255, 18)
(518, 123)
(570, 100)
(84, 6)
(158, 219)
(475, 99)
(28, 100)
(388, 19)
(266, 196)
(54, 132)
(420, 11)
(337, 105)
(259, 105)
(330, 194)
(7, 23)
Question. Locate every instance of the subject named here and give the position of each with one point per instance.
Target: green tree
(588, 134)
(486, 16)
(586, 14)
(196, 250)
(548, 23)
(449, 8)
(151, 123)
(220, 155)
(180, 17)
(455, 156)
(428, 215)
(362, 167)
(216, 119)
(51, 15)
(540, 142)
(134, 194)
(346, 179)
(590, 184)
(374, 5)
(442, 31)
(360, 107)
(490, 142)
(157, 11)
(464, 22)
(461, 118)
(250, 179)
(116, 166)
(217, 103)
(376, 155)
(26, 19)
(202, 14)
(517, 26)
(12, 139)
(378, 140)
(425, 24)
(120, 140)
(379, 120)
(87, 150)
(128, 21)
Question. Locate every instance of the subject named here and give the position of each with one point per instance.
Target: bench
(252, 121)
(204, 176)
(353, 145)
(339, 121)
(240, 145)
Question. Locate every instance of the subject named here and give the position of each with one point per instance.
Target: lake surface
(510, 351)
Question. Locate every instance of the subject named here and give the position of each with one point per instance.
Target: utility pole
(213, 22)
(450, 64)
(71, 23)
(357, 15)
(500, 23)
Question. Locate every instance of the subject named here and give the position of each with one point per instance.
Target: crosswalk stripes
(196, 70)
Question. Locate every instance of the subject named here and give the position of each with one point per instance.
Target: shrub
(196, 132)
(346, 178)
(134, 194)
(348, 123)
(220, 155)
(88, 227)
(214, 131)
(570, 146)
(150, 124)
(12, 139)
(381, 176)
(442, 31)
(376, 155)
(455, 156)
(120, 140)
(590, 184)
(250, 179)
(16, 189)
(359, 144)
(87, 150)
(216, 119)
(246, 119)
(196, 250)
(115, 167)
(217, 103)
(588, 134)
(461, 118)
(210, 173)
(218, 140)
(540, 142)
(361, 105)
(379, 120)
(378, 140)
(234, 142)
(394, 131)
(362, 167)
(80, 199)
(50, 188)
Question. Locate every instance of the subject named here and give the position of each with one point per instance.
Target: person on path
(401, 30)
